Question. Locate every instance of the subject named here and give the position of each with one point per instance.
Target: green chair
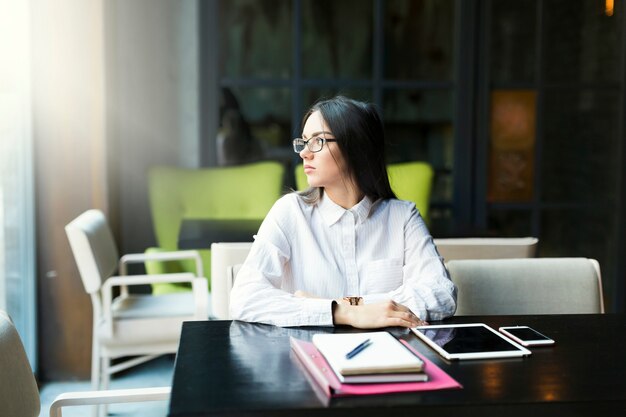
(301, 181)
(410, 181)
(244, 192)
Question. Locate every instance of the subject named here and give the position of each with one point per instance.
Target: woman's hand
(377, 315)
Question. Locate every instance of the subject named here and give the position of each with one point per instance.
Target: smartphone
(526, 336)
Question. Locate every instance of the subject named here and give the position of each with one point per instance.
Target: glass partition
(419, 39)
(253, 38)
(337, 39)
(555, 89)
(518, 106)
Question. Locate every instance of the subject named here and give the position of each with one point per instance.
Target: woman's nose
(305, 153)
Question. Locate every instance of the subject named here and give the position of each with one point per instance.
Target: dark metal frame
(619, 297)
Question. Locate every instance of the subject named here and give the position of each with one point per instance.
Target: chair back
(231, 275)
(19, 395)
(412, 181)
(301, 181)
(224, 256)
(487, 248)
(527, 286)
(240, 192)
(93, 247)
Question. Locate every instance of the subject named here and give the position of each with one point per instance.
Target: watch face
(354, 301)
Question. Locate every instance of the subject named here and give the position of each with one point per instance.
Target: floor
(156, 373)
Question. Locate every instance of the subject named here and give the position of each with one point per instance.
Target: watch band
(354, 301)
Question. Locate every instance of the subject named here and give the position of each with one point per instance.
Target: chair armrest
(122, 281)
(200, 289)
(148, 279)
(133, 258)
(596, 266)
(108, 397)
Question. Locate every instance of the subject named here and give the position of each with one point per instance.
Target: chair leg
(106, 376)
(105, 381)
(96, 369)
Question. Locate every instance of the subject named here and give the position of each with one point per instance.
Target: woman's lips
(308, 168)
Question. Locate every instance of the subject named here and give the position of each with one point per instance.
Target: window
(275, 59)
(555, 87)
(17, 244)
(519, 106)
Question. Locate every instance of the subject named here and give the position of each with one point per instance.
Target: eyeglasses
(314, 144)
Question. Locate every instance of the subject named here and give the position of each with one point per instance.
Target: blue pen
(358, 349)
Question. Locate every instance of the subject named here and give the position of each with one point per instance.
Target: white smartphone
(526, 336)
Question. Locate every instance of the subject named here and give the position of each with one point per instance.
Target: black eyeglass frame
(306, 143)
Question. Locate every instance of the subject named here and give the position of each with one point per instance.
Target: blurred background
(519, 106)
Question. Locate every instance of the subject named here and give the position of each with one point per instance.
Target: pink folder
(321, 373)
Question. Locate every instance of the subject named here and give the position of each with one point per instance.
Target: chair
(302, 183)
(19, 395)
(130, 324)
(486, 248)
(527, 286)
(231, 275)
(244, 192)
(223, 257)
(411, 181)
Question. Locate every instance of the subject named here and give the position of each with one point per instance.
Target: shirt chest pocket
(383, 275)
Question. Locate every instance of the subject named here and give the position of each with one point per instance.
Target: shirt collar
(363, 209)
(331, 212)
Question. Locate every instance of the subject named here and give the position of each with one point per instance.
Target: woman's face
(323, 168)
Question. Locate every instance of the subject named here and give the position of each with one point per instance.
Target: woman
(345, 251)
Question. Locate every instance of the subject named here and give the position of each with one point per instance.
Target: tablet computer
(469, 341)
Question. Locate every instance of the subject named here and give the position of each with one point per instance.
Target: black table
(200, 233)
(226, 368)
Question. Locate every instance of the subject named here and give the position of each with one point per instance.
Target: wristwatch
(354, 301)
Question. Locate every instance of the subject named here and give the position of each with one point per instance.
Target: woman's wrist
(353, 301)
(342, 312)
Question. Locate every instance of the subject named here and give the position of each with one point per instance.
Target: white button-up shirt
(378, 251)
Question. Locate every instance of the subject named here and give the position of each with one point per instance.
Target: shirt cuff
(317, 312)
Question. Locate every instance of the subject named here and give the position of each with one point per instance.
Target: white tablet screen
(469, 341)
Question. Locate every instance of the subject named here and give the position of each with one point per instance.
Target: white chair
(223, 256)
(19, 395)
(527, 286)
(129, 324)
(486, 248)
(231, 274)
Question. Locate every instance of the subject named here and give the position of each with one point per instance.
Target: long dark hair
(360, 135)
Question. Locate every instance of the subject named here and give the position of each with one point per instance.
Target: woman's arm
(377, 315)
(257, 294)
(426, 289)
(370, 316)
